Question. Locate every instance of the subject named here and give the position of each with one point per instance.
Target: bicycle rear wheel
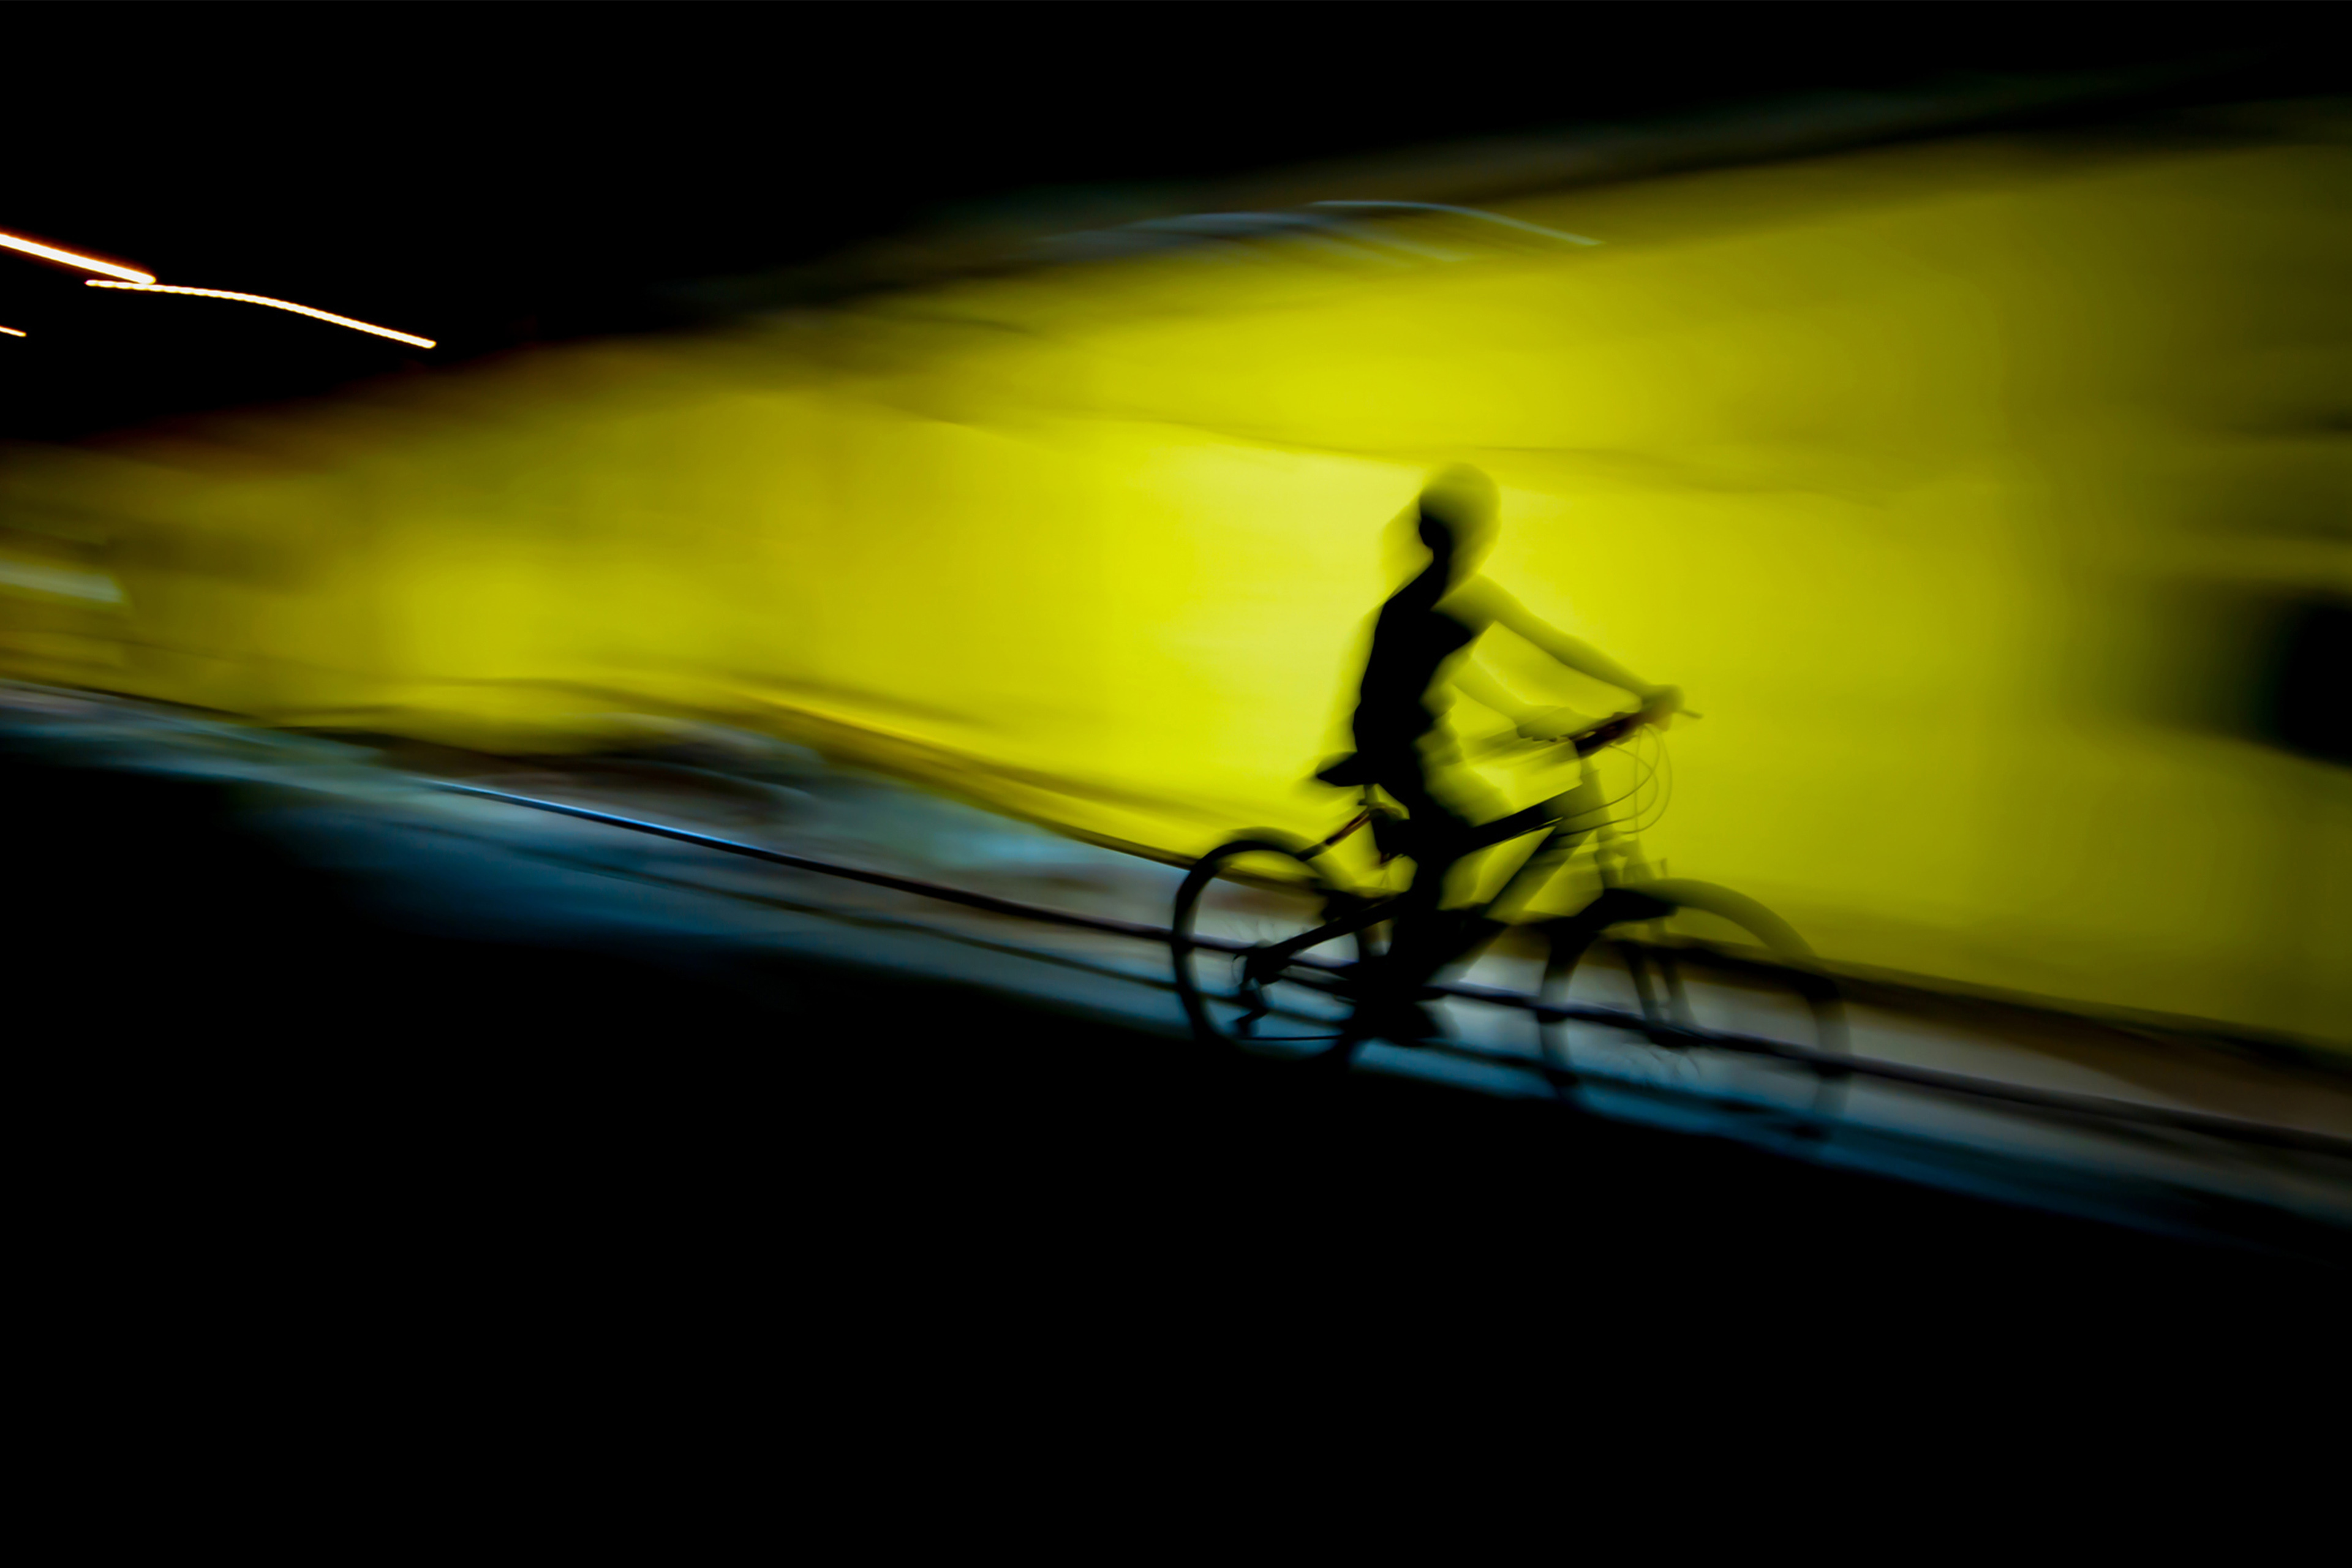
(1240, 902)
(1699, 968)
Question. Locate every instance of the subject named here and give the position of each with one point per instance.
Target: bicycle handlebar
(1609, 732)
(1593, 737)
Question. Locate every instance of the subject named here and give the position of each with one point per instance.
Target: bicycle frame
(1538, 870)
(1541, 866)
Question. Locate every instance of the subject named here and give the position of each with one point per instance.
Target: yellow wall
(1883, 458)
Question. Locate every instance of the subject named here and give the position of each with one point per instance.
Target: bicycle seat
(1347, 773)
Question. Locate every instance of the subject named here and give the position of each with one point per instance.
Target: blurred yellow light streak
(1861, 453)
(87, 263)
(273, 304)
(12, 331)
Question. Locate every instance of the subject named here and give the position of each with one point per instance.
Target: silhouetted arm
(1474, 682)
(1574, 652)
(1479, 684)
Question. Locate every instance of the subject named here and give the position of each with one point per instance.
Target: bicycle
(1266, 927)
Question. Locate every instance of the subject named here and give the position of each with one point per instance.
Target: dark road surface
(234, 1061)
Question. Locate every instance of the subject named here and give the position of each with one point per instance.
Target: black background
(489, 176)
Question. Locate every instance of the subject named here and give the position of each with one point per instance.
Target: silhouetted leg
(1423, 936)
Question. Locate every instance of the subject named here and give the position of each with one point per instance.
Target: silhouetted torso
(1412, 640)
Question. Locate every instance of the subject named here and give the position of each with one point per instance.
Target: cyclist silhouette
(1419, 641)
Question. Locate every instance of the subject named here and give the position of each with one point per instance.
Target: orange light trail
(13, 331)
(151, 286)
(87, 263)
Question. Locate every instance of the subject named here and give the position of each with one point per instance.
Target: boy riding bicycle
(1418, 642)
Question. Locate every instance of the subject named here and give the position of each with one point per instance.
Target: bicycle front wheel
(1701, 969)
(1244, 975)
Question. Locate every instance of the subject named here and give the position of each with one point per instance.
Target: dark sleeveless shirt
(1412, 640)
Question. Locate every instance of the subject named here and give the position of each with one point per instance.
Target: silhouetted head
(1458, 519)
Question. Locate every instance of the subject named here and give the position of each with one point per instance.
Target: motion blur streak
(12, 331)
(87, 263)
(1985, 496)
(1466, 212)
(154, 288)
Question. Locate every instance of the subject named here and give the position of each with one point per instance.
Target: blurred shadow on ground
(224, 1068)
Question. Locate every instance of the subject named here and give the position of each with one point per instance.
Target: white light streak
(60, 582)
(87, 263)
(152, 287)
(1468, 212)
(13, 333)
